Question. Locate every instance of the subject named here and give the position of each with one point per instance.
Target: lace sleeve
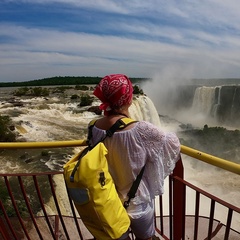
(170, 152)
(163, 148)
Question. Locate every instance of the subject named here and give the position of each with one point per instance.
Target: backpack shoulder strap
(92, 122)
(90, 126)
(119, 125)
(125, 122)
(134, 187)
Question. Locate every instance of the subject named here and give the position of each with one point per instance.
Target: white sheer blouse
(129, 150)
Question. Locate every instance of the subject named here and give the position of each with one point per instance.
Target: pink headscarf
(114, 91)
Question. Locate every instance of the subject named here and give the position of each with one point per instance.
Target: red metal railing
(178, 189)
(24, 214)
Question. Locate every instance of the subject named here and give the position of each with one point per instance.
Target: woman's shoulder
(149, 127)
(149, 132)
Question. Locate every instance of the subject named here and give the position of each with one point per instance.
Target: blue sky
(155, 38)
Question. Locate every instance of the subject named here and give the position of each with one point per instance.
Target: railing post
(178, 203)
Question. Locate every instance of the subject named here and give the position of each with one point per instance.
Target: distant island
(67, 80)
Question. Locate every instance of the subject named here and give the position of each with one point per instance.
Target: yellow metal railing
(55, 144)
(215, 161)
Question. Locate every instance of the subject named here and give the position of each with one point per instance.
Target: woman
(140, 144)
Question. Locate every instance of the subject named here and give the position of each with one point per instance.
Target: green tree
(137, 90)
(74, 97)
(85, 100)
(38, 91)
(21, 91)
(82, 87)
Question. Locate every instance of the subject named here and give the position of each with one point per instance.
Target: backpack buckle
(102, 179)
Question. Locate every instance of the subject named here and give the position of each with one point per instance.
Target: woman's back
(130, 149)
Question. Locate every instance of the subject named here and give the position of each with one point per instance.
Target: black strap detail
(116, 126)
(134, 187)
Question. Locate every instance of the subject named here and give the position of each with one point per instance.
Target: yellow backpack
(93, 192)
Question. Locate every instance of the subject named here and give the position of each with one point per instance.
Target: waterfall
(143, 109)
(204, 100)
(220, 103)
(235, 113)
(217, 103)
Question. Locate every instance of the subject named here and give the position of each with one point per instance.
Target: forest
(67, 80)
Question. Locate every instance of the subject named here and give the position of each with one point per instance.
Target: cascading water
(143, 108)
(219, 103)
(204, 100)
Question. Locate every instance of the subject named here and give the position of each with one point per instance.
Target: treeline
(67, 80)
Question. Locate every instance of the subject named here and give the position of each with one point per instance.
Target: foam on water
(9, 165)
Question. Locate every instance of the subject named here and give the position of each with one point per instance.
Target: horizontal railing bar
(210, 159)
(215, 161)
(55, 144)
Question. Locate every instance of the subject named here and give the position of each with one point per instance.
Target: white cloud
(84, 54)
(194, 38)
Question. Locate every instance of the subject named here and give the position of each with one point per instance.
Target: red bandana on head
(114, 91)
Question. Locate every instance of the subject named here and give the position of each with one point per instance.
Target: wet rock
(24, 156)
(18, 104)
(44, 153)
(28, 160)
(12, 127)
(15, 102)
(95, 109)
